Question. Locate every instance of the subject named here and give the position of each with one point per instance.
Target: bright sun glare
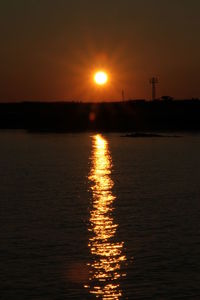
(100, 77)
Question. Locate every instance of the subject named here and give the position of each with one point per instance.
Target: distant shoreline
(130, 116)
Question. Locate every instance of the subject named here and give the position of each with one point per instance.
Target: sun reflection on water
(105, 269)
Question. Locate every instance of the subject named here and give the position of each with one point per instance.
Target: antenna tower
(153, 81)
(123, 95)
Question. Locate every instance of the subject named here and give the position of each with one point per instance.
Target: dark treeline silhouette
(126, 116)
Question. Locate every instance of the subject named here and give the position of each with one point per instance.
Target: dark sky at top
(49, 49)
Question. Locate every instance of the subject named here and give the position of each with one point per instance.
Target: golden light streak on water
(105, 269)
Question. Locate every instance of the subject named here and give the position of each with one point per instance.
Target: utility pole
(153, 81)
(123, 95)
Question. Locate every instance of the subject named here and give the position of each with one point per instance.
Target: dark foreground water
(86, 216)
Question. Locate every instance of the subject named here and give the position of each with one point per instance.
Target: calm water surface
(89, 216)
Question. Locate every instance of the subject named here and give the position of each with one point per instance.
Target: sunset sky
(51, 49)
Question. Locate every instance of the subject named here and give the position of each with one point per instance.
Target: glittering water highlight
(105, 269)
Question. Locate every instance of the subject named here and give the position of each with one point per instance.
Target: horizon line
(99, 101)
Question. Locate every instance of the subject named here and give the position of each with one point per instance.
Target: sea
(99, 216)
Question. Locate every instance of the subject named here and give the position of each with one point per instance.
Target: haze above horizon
(51, 49)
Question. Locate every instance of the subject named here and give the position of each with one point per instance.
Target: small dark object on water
(148, 135)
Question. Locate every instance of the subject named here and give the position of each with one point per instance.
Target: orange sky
(51, 49)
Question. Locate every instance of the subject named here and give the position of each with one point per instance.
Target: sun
(100, 77)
